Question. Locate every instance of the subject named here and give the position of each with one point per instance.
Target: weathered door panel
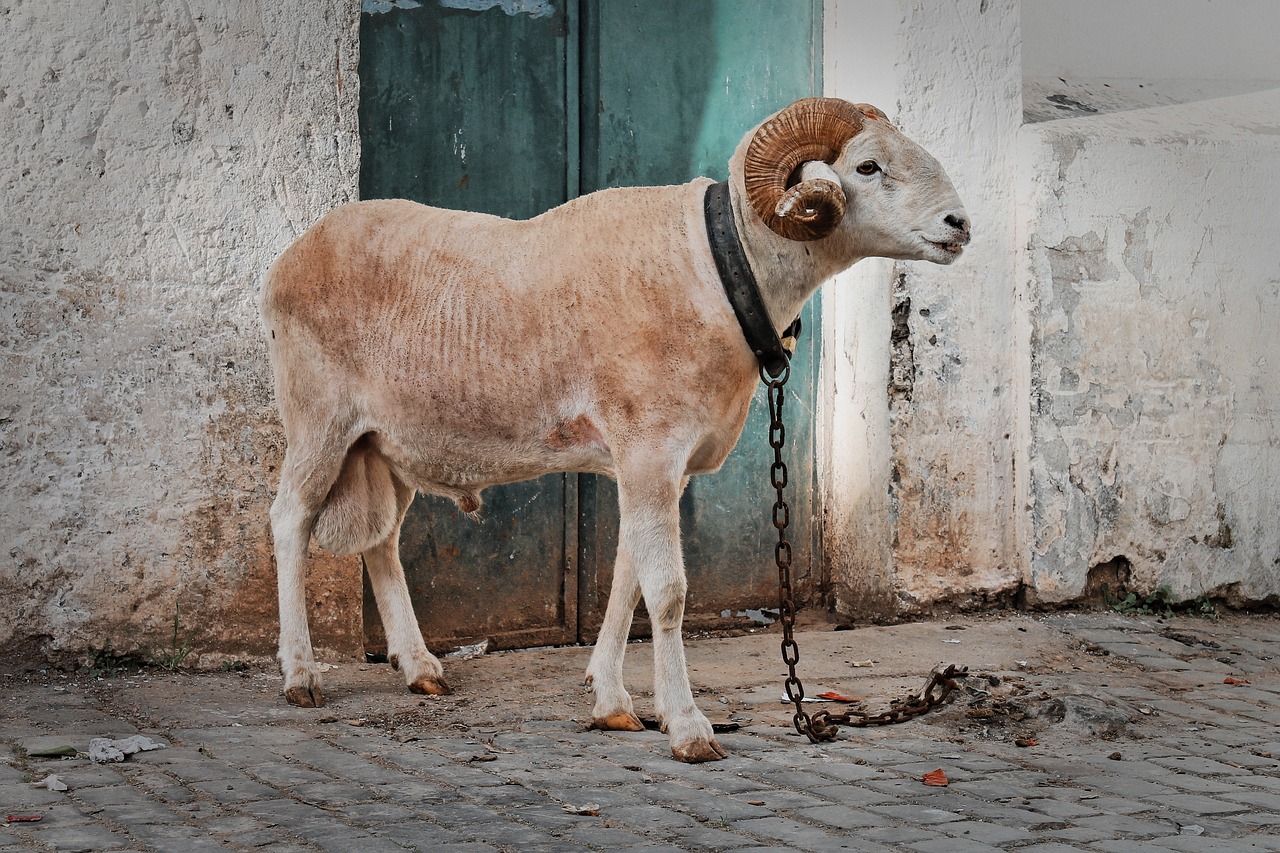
(674, 85)
(467, 110)
(512, 114)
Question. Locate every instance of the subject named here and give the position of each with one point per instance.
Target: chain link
(824, 725)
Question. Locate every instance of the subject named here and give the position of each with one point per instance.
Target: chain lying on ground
(823, 725)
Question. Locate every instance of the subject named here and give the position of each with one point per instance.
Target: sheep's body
(424, 349)
(542, 365)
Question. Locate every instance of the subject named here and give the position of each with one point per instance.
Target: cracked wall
(1152, 296)
(918, 407)
(156, 159)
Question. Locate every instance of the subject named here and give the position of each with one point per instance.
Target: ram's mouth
(941, 251)
(950, 248)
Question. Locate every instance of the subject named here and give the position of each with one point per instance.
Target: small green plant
(171, 659)
(1160, 603)
(108, 662)
(1202, 605)
(234, 666)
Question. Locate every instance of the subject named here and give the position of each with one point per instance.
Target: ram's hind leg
(405, 649)
(311, 464)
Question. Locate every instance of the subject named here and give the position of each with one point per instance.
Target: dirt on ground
(1026, 673)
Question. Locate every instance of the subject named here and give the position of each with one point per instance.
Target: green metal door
(511, 108)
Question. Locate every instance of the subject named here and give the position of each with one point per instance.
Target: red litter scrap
(936, 779)
(832, 696)
(1230, 680)
(24, 818)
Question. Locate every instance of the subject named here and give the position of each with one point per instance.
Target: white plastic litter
(468, 652)
(105, 750)
(52, 782)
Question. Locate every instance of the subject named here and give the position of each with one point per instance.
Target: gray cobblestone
(291, 784)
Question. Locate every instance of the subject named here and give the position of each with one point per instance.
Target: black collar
(740, 284)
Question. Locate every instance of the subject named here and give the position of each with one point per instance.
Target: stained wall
(155, 157)
(1088, 396)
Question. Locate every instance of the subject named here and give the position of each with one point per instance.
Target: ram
(419, 349)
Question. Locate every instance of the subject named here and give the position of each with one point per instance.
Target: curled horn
(811, 129)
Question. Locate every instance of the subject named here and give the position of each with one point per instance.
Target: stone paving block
(204, 770)
(801, 780)
(779, 799)
(235, 790)
(647, 817)
(708, 836)
(708, 804)
(1190, 783)
(783, 829)
(1119, 805)
(952, 845)
(607, 838)
(548, 816)
(897, 836)
(1198, 804)
(137, 814)
(1263, 800)
(1126, 787)
(1199, 765)
(1126, 826)
(417, 834)
(414, 793)
(606, 797)
(22, 796)
(854, 796)
(987, 832)
(1265, 821)
(83, 838)
(1004, 786)
(344, 839)
(148, 834)
(917, 814)
(185, 845)
(284, 775)
(506, 833)
(732, 783)
(1056, 808)
(78, 774)
(843, 818)
(1051, 847)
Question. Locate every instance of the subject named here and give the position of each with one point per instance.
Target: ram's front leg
(650, 534)
(613, 708)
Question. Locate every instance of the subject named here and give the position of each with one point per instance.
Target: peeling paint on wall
(532, 8)
(381, 7)
(1153, 437)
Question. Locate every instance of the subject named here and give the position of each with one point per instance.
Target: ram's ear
(817, 199)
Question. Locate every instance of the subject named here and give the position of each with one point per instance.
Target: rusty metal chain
(824, 725)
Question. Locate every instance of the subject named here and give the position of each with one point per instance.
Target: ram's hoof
(698, 750)
(623, 721)
(304, 697)
(430, 687)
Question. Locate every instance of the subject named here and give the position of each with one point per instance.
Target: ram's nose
(958, 221)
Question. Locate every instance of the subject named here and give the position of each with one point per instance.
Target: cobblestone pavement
(1133, 740)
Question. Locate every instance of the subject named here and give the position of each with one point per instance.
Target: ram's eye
(868, 167)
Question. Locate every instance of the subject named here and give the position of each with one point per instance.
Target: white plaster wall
(917, 436)
(1153, 300)
(1226, 40)
(1082, 57)
(155, 157)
